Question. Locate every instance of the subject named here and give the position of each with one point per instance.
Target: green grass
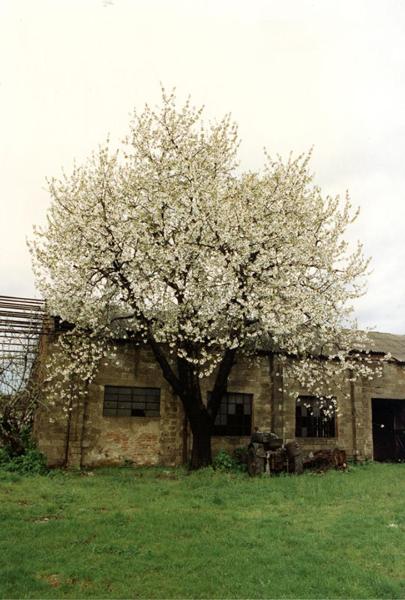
(139, 533)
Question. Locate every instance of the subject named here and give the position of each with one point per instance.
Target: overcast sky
(293, 73)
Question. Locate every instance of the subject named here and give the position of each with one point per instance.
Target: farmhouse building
(131, 413)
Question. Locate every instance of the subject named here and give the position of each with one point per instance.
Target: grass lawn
(155, 533)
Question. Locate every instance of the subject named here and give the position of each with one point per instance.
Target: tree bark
(198, 416)
(201, 455)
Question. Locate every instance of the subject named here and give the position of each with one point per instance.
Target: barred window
(234, 415)
(131, 402)
(315, 417)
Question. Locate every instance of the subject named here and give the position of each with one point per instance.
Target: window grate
(120, 401)
(234, 416)
(315, 418)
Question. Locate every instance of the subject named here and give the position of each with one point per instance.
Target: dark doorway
(389, 429)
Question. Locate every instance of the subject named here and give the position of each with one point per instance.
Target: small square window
(234, 416)
(315, 417)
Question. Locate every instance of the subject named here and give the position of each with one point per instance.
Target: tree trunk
(201, 416)
(201, 428)
(201, 451)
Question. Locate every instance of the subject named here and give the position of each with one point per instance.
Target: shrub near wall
(31, 462)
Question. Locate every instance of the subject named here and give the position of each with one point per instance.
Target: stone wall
(343, 420)
(143, 440)
(87, 438)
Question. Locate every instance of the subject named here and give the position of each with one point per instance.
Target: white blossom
(166, 240)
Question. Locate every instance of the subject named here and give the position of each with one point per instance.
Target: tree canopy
(167, 241)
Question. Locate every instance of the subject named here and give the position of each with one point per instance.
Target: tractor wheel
(255, 464)
(298, 465)
(251, 462)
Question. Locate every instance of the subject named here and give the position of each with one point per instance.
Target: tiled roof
(389, 342)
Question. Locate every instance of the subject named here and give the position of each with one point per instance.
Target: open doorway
(388, 429)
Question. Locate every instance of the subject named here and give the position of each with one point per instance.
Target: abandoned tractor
(266, 453)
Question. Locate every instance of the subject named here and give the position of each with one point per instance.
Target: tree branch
(167, 370)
